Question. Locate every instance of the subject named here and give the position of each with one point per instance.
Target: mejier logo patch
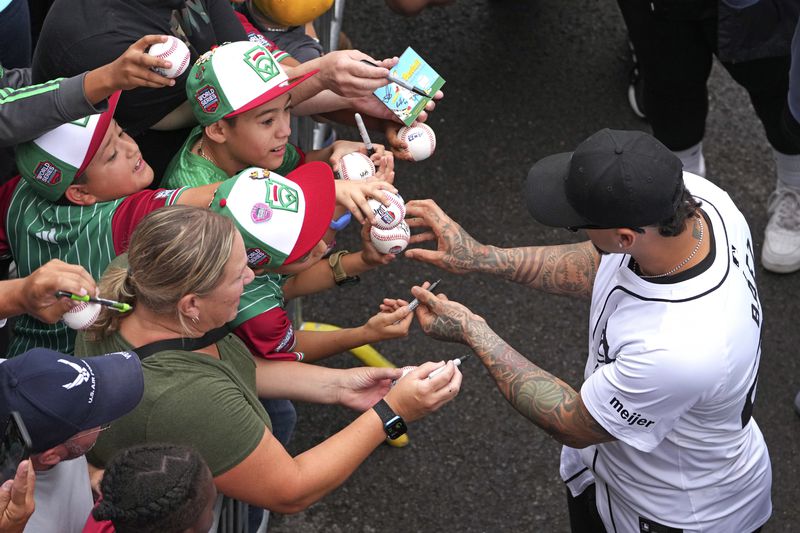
(262, 62)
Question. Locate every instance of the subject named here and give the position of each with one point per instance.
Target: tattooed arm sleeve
(567, 269)
(539, 396)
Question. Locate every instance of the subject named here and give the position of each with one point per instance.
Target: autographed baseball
(388, 217)
(421, 140)
(390, 241)
(82, 315)
(356, 166)
(173, 51)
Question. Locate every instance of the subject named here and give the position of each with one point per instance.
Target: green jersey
(89, 236)
(189, 169)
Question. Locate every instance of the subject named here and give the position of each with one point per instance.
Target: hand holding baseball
(371, 256)
(130, 70)
(416, 396)
(353, 196)
(36, 293)
(456, 250)
(360, 388)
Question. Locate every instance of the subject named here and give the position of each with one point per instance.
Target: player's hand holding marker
(443, 319)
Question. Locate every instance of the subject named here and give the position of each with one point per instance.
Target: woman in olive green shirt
(186, 270)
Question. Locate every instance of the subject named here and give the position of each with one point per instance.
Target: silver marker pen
(456, 362)
(364, 135)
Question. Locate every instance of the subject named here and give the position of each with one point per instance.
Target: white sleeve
(639, 397)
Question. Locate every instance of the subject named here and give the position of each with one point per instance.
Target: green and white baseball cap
(51, 163)
(281, 219)
(234, 78)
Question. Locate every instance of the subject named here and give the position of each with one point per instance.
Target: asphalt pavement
(524, 79)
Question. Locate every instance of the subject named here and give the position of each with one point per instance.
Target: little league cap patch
(234, 78)
(51, 163)
(280, 218)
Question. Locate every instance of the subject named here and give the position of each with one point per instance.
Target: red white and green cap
(281, 219)
(51, 163)
(235, 78)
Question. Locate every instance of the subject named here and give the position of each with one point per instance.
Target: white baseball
(82, 315)
(356, 166)
(388, 217)
(390, 241)
(420, 139)
(173, 51)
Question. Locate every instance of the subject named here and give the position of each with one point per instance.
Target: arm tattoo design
(567, 269)
(539, 396)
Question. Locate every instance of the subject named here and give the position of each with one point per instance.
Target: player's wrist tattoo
(538, 395)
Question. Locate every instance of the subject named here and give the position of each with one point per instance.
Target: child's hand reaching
(353, 195)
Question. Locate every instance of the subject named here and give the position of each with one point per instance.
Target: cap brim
(120, 386)
(545, 193)
(273, 93)
(316, 181)
(99, 132)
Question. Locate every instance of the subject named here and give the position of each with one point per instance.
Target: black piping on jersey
(693, 271)
(574, 476)
(610, 509)
(608, 493)
(667, 300)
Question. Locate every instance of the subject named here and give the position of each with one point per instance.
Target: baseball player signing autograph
(661, 431)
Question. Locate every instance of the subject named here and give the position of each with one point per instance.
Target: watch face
(395, 427)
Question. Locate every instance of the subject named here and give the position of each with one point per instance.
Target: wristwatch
(339, 275)
(393, 424)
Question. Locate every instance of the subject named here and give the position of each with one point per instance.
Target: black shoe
(636, 86)
(797, 404)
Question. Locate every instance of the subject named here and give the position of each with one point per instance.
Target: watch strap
(393, 424)
(339, 274)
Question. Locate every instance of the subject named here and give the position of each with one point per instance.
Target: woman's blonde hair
(174, 251)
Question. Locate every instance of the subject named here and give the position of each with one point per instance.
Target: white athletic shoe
(781, 251)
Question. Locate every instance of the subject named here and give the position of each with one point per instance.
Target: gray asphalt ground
(524, 79)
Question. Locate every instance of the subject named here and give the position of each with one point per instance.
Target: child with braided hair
(163, 488)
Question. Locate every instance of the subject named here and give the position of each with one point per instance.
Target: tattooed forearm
(567, 269)
(538, 395)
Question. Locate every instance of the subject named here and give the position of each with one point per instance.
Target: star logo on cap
(262, 62)
(83, 374)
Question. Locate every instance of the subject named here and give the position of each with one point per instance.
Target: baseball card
(404, 103)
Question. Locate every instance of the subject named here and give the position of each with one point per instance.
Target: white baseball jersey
(672, 372)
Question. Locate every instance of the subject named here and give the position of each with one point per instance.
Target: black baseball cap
(613, 179)
(61, 395)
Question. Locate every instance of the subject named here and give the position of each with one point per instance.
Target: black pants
(675, 56)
